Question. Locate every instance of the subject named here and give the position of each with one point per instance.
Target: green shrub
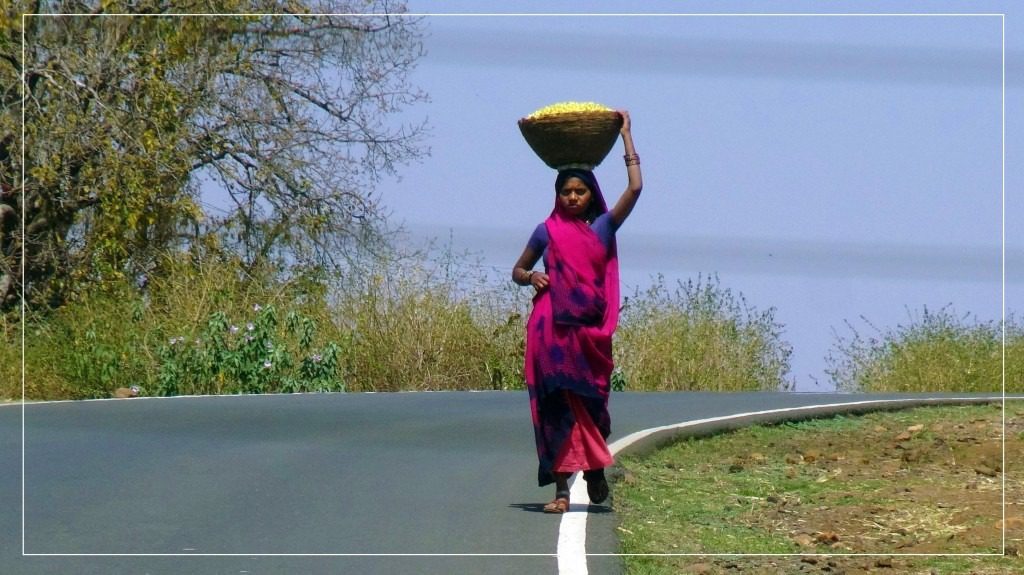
(936, 351)
(10, 356)
(88, 349)
(187, 333)
(699, 337)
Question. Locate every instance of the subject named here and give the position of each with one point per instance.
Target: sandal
(559, 505)
(597, 485)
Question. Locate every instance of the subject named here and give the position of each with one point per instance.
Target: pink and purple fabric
(569, 344)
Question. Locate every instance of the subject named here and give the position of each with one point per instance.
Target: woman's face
(575, 197)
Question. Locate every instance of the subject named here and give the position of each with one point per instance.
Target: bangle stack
(632, 159)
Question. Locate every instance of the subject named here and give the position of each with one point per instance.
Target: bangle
(632, 159)
(529, 276)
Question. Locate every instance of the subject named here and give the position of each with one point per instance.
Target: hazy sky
(831, 167)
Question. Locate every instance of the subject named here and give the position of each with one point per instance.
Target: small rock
(701, 568)
(884, 562)
(915, 428)
(826, 537)
(794, 458)
(811, 455)
(913, 456)
(1012, 523)
(905, 436)
(993, 464)
(804, 540)
(809, 560)
(985, 470)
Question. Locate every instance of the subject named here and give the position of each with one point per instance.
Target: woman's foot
(597, 485)
(560, 504)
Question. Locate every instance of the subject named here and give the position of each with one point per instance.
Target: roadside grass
(699, 335)
(934, 351)
(419, 327)
(208, 326)
(10, 357)
(923, 480)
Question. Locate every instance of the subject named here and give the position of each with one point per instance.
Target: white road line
(572, 532)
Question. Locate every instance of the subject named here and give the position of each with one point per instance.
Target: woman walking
(569, 333)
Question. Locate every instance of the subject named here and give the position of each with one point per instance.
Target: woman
(569, 333)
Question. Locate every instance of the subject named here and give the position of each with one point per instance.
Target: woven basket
(572, 139)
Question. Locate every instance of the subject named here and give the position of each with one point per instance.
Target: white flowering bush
(253, 356)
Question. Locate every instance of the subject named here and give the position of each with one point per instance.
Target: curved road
(333, 483)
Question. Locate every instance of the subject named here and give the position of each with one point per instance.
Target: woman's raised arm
(624, 206)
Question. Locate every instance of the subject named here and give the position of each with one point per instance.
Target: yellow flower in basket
(572, 134)
(565, 107)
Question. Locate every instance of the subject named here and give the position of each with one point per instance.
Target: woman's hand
(539, 281)
(625, 122)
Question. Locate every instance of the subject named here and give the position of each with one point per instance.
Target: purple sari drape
(569, 334)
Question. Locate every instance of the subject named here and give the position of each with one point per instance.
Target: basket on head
(572, 139)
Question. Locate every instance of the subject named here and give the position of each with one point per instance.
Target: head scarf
(597, 203)
(578, 257)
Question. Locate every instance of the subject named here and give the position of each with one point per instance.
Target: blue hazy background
(832, 167)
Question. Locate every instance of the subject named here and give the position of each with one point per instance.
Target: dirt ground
(936, 488)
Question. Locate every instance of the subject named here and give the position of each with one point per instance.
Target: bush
(188, 334)
(10, 356)
(416, 331)
(88, 349)
(699, 337)
(936, 351)
(208, 326)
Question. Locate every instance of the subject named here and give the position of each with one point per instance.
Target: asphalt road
(333, 483)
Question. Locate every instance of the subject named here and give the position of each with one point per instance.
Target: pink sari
(569, 347)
